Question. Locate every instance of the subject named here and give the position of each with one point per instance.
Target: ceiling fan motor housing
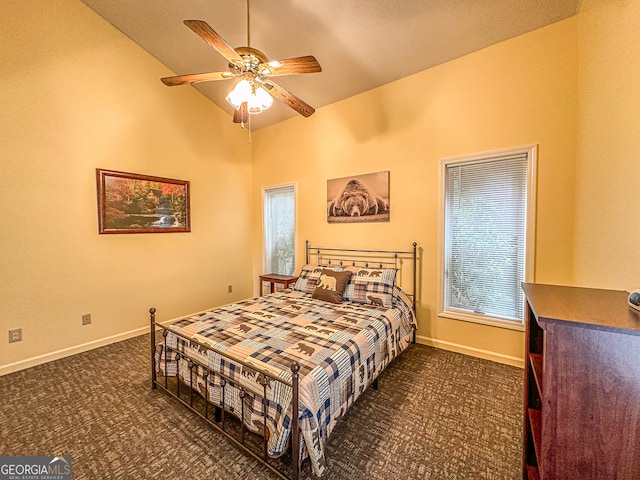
(252, 58)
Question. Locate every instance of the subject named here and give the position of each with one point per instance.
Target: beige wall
(522, 91)
(607, 241)
(76, 94)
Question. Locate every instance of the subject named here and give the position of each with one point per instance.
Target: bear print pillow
(331, 285)
(308, 278)
(373, 286)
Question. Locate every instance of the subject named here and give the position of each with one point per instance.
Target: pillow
(373, 286)
(331, 285)
(308, 278)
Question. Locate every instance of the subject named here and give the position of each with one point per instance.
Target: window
(279, 229)
(486, 245)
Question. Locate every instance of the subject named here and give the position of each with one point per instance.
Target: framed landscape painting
(134, 203)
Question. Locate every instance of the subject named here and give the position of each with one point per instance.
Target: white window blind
(279, 230)
(485, 235)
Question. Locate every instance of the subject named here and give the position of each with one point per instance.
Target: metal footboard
(219, 422)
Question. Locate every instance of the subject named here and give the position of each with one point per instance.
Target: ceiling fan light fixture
(256, 97)
(260, 100)
(239, 94)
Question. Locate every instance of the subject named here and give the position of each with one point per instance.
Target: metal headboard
(361, 257)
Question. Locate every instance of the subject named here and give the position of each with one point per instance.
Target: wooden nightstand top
(276, 277)
(273, 278)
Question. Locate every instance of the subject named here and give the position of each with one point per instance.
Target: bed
(313, 349)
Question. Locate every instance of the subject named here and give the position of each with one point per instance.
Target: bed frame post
(306, 252)
(415, 293)
(415, 289)
(152, 318)
(295, 428)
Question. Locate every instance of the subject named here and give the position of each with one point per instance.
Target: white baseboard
(66, 352)
(474, 352)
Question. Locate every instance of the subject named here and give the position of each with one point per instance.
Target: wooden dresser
(582, 385)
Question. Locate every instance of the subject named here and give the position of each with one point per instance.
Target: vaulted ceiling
(360, 44)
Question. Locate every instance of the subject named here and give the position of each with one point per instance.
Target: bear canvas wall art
(360, 198)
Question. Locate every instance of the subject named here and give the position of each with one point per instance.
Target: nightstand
(273, 278)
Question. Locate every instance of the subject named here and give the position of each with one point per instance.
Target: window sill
(483, 319)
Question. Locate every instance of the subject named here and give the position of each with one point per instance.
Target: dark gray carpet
(437, 415)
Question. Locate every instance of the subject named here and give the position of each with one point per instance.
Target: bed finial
(295, 367)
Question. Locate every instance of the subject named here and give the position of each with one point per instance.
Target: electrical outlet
(229, 288)
(15, 335)
(86, 319)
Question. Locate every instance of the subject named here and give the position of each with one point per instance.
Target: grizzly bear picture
(357, 201)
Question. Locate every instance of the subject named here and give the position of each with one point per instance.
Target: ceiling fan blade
(196, 78)
(292, 66)
(209, 35)
(288, 98)
(241, 115)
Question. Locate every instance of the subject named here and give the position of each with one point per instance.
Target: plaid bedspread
(340, 348)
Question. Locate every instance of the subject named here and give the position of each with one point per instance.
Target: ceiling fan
(254, 92)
